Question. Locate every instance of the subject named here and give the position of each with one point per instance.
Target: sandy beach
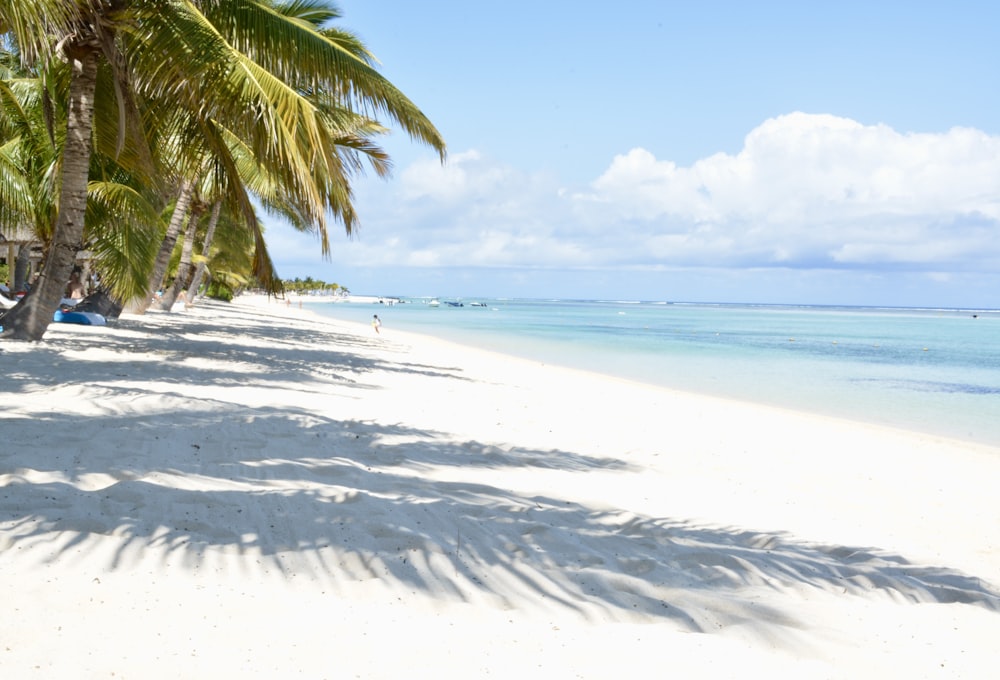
(249, 490)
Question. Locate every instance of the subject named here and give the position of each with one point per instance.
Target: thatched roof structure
(17, 236)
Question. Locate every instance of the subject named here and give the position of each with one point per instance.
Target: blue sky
(784, 152)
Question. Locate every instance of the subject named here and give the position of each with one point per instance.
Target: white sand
(229, 493)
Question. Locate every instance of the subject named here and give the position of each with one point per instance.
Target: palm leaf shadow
(343, 510)
(338, 502)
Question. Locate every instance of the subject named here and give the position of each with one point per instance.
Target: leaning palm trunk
(29, 319)
(206, 247)
(184, 268)
(166, 248)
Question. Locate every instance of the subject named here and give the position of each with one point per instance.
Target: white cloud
(805, 191)
(810, 189)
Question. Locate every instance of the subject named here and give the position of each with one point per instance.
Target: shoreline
(261, 302)
(891, 404)
(260, 489)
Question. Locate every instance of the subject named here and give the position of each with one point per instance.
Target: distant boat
(453, 304)
(433, 303)
(477, 304)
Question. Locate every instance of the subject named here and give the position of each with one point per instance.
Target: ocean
(930, 370)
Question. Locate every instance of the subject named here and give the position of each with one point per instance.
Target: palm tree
(122, 213)
(119, 215)
(248, 64)
(342, 139)
(206, 248)
(231, 263)
(27, 154)
(83, 41)
(184, 266)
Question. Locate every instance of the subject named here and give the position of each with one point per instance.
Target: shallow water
(930, 370)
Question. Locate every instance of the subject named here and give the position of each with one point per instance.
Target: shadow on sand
(336, 501)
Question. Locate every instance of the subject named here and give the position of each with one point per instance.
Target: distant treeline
(310, 284)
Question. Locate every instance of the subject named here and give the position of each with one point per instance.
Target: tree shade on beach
(181, 104)
(251, 489)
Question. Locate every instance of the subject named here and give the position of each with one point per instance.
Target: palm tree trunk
(29, 319)
(21, 265)
(166, 248)
(206, 247)
(184, 267)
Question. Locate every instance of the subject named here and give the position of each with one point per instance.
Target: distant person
(74, 289)
(377, 324)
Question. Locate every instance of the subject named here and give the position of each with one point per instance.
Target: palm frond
(314, 59)
(126, 243)
(34, 22)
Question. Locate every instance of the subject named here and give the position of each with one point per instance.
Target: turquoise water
(931, 370)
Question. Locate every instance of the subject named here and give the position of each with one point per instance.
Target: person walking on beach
(377, 323)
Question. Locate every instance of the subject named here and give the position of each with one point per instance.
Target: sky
(793, 152)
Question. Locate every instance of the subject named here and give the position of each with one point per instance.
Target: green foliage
(258, 104)
(309, 284)
(220, 290)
